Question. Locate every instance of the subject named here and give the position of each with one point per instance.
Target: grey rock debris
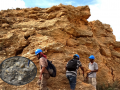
(16, 71)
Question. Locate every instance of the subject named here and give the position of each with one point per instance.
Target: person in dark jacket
(71, 74)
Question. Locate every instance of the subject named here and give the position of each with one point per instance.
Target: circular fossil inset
(17, 70)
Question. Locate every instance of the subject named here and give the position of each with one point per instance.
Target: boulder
(53, 8)
(84, 33)
(19, 14)
(29, 33)
(71, 42)
(5, 25)
(51, 16)
(10, 20)
(105, 52)
(3, 20)
(108, 28)
(61, 14)
(115, 53)
(33, 16)
(116, 44)
(32, 12)
(85, 14)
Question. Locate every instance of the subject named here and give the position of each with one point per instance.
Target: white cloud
(107, 11)
(11, 4)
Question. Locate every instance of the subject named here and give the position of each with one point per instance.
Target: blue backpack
(51, 69)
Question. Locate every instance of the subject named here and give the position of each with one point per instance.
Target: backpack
(72, 65)
(51, 69)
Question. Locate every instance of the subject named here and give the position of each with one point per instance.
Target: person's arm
(80, 65)
(66, 67)
(40, 66)
(94, 70)
(42, 63)
(43, 68)
(87, 73)
(82, 70)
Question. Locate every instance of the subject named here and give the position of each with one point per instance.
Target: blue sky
(49, 3)
(107, 11)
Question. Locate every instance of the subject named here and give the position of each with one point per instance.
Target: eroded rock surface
(60, 31)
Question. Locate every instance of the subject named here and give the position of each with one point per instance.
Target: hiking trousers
(72, 81)
(43, 82)
(92, 81)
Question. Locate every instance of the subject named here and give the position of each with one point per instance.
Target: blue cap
(38, 51)
(77, 55)
(91, 57)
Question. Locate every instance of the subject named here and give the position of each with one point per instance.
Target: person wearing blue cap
(91, 75)
(44, 74)
(71, 70)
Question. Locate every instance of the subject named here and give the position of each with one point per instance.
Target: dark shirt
(74, 73)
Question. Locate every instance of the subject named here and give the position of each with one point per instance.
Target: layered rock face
(60, 31)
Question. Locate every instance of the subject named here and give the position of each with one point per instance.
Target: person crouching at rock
(91, 74)
(44, 74)
(71, 70)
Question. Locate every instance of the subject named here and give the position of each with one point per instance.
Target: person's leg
(94, 82)
(68, 77)
(38, 82)
(90, 80)
(43, 86)
(46, 77)
(72, 82)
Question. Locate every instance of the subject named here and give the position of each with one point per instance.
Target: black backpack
(72, 65)
(51, 69)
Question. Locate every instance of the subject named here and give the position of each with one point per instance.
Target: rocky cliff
(60, 31)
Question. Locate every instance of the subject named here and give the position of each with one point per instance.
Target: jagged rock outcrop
(60, 31)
